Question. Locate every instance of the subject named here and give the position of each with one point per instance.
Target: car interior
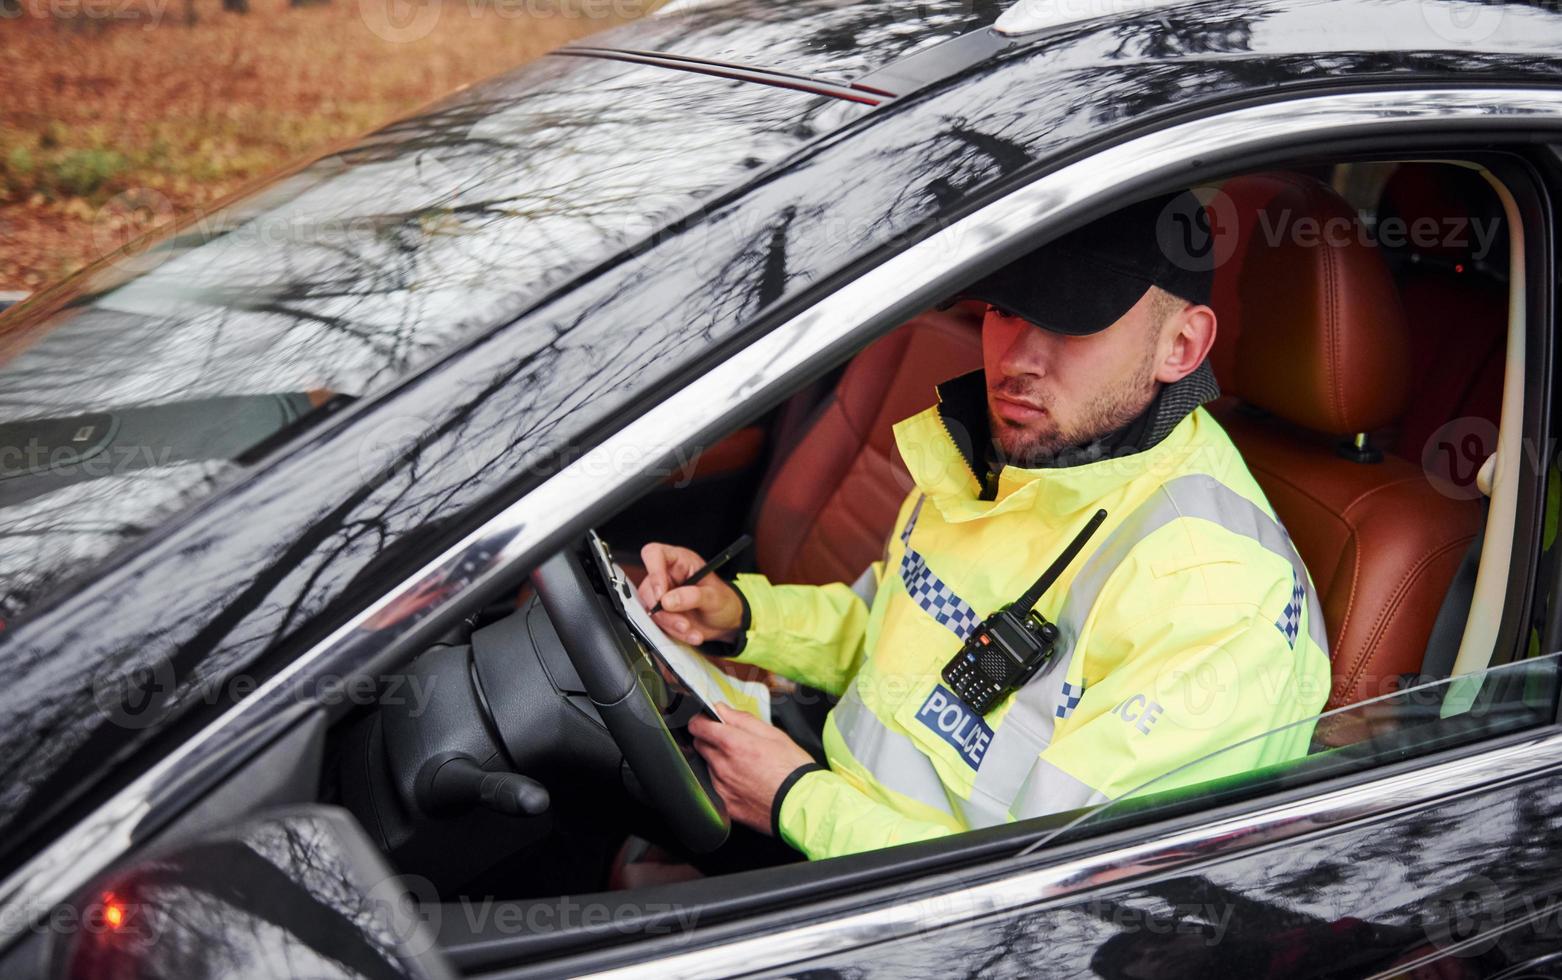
(1365, 379)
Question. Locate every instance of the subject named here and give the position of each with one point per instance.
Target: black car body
(547, 291)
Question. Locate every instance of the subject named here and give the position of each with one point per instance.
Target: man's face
(1048, 391)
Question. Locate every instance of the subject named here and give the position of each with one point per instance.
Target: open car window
(1405, 724)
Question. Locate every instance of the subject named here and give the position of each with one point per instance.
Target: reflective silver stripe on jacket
(866, 587)
(1013, 758)
(893, 759)
(1049, 789)
(1013, 777)
(1196, 495)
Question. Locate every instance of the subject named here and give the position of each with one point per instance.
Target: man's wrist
(733, 647)
(790, 781)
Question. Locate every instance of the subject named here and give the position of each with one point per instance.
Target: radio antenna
(1023, 604)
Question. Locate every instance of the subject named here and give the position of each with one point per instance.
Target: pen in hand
(727, 554)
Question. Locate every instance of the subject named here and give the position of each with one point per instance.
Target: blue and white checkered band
(1290, 621)
(911, 522)
(936, 599)
(929, 591)
(1070, 699)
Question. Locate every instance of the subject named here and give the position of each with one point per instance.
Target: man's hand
(693, 612)
(748, 761)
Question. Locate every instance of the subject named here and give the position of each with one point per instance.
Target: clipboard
(702, 680)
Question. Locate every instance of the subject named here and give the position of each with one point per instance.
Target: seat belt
(1442, 646)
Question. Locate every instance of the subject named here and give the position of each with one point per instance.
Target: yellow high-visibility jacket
(1188, 624)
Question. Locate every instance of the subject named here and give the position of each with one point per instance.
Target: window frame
(1267, 817)
(1480, 760)
(753, 378)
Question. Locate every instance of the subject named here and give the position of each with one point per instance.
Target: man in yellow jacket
(1188, 623)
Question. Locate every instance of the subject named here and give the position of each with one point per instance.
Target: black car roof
(831, 40)
(900, 47)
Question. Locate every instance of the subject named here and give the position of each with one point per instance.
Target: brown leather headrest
(1324, 342)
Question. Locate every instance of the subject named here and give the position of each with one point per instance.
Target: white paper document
(709, 684)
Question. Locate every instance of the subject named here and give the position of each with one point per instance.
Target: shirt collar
(947, 449)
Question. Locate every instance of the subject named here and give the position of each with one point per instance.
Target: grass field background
(119, 115)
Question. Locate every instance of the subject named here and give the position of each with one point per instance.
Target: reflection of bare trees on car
(724, 234)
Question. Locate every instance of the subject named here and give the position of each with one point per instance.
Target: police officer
(1188, 624)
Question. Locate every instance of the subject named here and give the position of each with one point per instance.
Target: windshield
(1396, 726)
(147, 382)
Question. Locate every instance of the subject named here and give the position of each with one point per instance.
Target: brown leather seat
(1456, 307)
(832, 503)
(1234, 215)
(1321, 353)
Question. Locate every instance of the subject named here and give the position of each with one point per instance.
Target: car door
(1430, 861)
(1416, 848)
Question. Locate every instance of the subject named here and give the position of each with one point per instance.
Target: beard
(1035, 444)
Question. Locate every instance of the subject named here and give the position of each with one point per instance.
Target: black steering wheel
(619, 678)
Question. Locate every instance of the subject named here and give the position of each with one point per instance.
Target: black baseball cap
(1085, 281)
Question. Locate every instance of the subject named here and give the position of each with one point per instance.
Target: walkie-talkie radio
(1008, 647)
